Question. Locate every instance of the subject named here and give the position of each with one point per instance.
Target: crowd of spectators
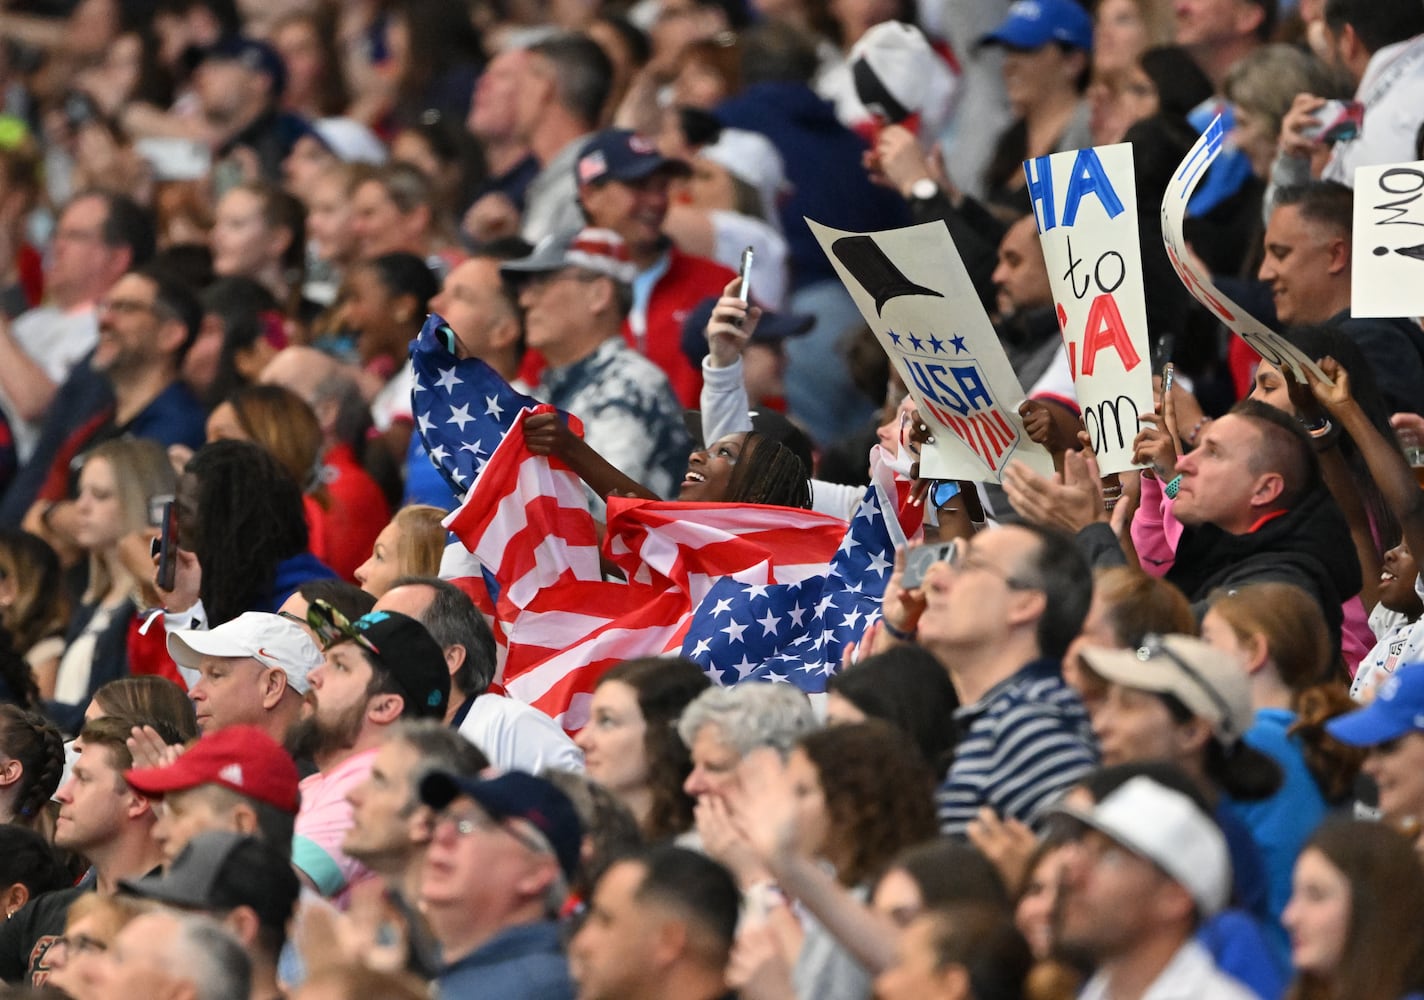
(1157, 734)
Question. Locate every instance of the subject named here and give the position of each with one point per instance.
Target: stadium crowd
(397, 450)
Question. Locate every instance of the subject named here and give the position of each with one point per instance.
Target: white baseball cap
(270, 639)
(751, 158)
(1166, 827)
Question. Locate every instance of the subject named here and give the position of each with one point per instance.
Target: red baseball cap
(243, 759)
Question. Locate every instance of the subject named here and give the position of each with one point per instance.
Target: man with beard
(377, 670)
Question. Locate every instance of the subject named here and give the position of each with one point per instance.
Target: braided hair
(768, 472)
(249, 518)
(38, 746)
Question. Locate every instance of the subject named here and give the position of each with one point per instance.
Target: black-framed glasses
(295, 619)
(331, 627)
(1154, 646)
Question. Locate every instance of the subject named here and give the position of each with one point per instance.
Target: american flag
(462, 406)
(564, 625)
(794, 633)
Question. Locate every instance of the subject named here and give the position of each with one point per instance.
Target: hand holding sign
(1085, 204)
(912, 288)
(1264, 341)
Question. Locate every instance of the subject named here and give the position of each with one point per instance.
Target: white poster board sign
(1387, 273)
(1263, 340)
(911, 287)
(1085, 204)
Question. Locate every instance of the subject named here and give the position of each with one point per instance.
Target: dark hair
(1270, 13)
(245, 307)
(1106, 780)
(768, 472)
(439, 748)
(111, 731)
(150, 700)
(634, 38)
(16, 676)
(1331, 341)
(406, 274)
(344, 596)
(610, 830)
(442, 42)
(949, 871)
(38, 746)
(41, 607)
(274, 825)
(1377, 24)
(173, 300)
(1240, 770)
(1326, 203)
(126, 225)
(908, 687)
(287, 429)
(774, 52)
(1181, 85)
(331, 95)
(27, 858)
(283, 210)
(1285, 449)
(250, 518)
(665, 685)
(452, 619)
(1380, 959)
(878, 793)
(583, 74)
(985, 942)
(1061, 572)
(695, 885)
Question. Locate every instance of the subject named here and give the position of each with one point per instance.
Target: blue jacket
(517, 963)
(822, 160)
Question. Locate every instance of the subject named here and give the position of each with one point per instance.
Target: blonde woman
(410, 545)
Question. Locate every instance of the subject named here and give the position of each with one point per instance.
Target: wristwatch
(924, 189)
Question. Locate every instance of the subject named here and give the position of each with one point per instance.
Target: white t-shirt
(56, 341)
(1400, 641)
(1191, 975)
(392, 403)
(734, 232)
(1392, 91)
(518, 737)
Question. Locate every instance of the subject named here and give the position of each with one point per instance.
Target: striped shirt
(1022, 745)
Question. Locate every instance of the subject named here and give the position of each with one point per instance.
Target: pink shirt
(321, 826)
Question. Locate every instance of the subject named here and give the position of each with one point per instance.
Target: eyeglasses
(474, 821)
(296, 619)
(968, 562)
(79, 944)
(1153, 646)
(331, 627)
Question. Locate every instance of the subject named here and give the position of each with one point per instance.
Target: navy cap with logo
(398, 644)
(620, 154)
(516, 795)
(255, 55)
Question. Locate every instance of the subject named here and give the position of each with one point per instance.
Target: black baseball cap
(398, 644)
(222, 870)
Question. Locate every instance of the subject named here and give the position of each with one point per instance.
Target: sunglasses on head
(331, 627)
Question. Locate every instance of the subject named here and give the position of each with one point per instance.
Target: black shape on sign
(1416, 251)
(876, 272)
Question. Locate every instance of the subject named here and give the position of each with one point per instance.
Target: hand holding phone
(744, 289)
(167, 548)
(920, 559)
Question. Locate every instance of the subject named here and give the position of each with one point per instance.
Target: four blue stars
(934, 343)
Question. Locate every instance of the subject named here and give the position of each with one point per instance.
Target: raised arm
(546, 434)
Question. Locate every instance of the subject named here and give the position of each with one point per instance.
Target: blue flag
(795, 633)
(462, 407)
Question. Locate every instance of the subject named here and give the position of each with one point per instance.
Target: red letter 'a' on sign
(1105, 329)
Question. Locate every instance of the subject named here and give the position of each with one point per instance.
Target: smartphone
(921, 559)
(168, 548)
(745, 273)
(1336, 121)
(1169, 374)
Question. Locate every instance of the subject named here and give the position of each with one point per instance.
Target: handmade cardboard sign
(1265, 341)
(911, 287)
(1387, 274)
(1085, 204)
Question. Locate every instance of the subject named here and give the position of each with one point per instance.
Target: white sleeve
(518, 737)
(835, 499)
(725, 408)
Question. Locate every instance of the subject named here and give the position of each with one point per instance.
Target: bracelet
(1171, 488)
(1192, 437)
(896, 633)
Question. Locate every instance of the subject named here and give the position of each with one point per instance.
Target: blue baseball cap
(256, 55)
(1398, 709)
(516, 795)
(620, 154)
(1032, 24)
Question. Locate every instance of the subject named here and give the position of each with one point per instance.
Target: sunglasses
(331, 627)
